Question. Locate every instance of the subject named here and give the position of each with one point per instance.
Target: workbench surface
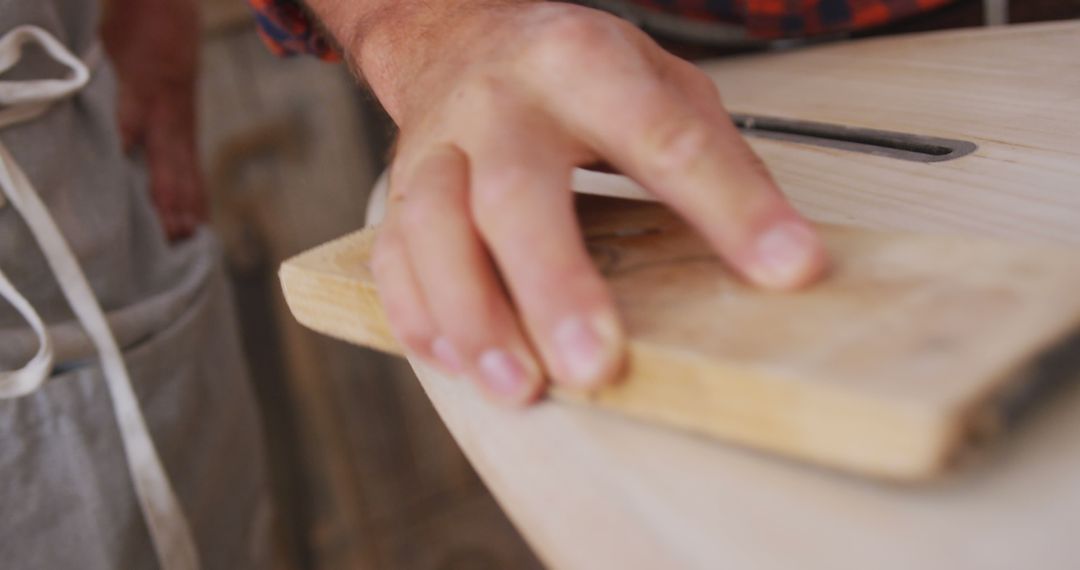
(590, 489)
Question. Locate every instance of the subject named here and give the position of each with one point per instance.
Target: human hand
(154, 47)
(480, 264)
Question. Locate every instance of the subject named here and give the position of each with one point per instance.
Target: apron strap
(16, 383)
(25, 100)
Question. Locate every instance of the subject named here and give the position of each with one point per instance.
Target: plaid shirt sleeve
(288, 29)
(776, 19)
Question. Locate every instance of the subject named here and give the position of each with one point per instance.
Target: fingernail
(445, 353)
(503, 373)
(784, 254)
(586, 348)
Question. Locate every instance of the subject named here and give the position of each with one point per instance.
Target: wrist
(392, 43)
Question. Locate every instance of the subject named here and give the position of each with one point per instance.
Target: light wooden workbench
(594, 491)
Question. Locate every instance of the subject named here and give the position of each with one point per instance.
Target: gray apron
(67, 499)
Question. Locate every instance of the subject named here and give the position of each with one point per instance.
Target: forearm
(390, 42)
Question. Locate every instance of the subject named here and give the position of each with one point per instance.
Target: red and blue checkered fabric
(288, 30)
(776, 19)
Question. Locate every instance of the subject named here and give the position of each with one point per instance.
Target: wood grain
(592, 490)
(887, 367)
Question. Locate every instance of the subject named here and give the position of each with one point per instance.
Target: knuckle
(493, 195)
(571, 36)
(573, 282)
(693, 79)
(476, 103)
(573, 27)
(486, 317)
(419, 212)
(483, 89)
(384, 257)
(677, 145)
(705, 86)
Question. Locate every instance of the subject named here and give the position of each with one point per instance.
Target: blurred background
(364, 474)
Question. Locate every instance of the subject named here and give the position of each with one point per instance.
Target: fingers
(401, 296)
(675, 139)
(523, 207)
(166, 196)
(500, 199)
(477, 330)
(175, 178)
(129, 117)
(137, 129)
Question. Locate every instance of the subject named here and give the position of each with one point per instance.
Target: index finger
(696, 161)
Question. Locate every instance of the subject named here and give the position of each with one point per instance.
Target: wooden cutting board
(916, 347)
(912, 348)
